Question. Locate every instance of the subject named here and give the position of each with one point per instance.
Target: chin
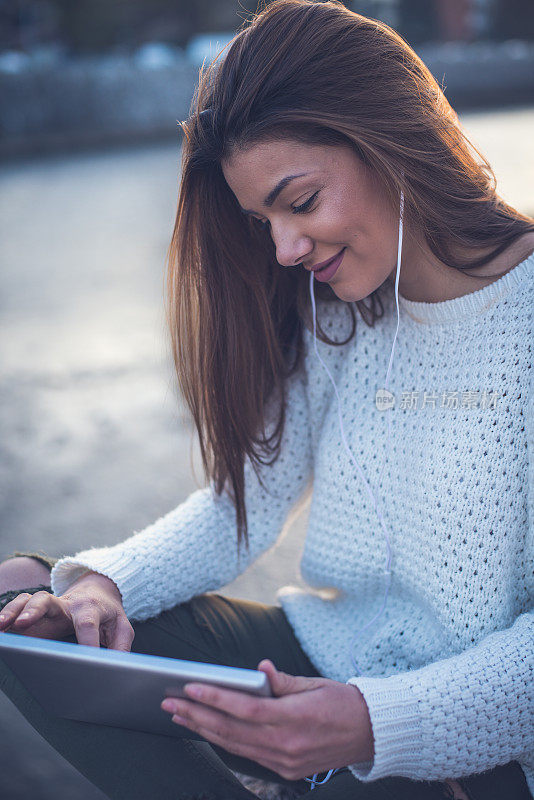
(348, 294)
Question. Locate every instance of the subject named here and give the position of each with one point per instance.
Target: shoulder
(514, 255)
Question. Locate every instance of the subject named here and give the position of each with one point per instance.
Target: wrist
(100, 579)
(367, 742)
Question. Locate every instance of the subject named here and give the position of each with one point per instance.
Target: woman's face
(323, 200)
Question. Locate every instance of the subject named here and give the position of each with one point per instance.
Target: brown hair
(320, 74)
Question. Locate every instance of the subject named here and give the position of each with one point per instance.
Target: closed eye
(294, 210)
(305, 206)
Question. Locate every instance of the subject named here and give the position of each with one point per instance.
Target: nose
(292, 246)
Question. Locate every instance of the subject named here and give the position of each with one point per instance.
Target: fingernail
(167, 705)
(24, 616)
(193, 691)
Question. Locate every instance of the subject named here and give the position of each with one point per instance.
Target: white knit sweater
(447, 670)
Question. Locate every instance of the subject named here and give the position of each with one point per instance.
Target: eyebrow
(273, 194)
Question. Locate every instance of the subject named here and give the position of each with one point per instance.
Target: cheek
(341, 222)
(359, 219)
(376, 233)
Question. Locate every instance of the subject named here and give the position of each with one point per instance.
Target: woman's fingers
(225, 735)
(40, 614)
(96, 617)
(122, 635)
(223, 729)
(236, 703)
(87, 627)
(12, 610)
(26, 609)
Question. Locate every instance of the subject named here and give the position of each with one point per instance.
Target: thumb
(282, 683)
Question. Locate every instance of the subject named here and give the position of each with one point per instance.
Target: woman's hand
(91, 609)
(311, 724)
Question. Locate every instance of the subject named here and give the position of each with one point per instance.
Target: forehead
(259, 167)
(271, 152)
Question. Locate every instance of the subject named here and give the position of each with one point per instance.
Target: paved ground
(93, 441)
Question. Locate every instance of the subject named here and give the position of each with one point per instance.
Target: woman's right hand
(91, 609)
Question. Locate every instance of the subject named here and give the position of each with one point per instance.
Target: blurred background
(94, 441)
(100, 71)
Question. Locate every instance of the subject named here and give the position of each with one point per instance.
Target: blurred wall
(89, 73)
(88, 26)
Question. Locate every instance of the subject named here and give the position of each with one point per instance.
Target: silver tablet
(112, 687)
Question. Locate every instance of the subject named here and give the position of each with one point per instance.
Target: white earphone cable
(387, 568)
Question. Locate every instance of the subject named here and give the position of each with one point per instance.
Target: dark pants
(131, 765)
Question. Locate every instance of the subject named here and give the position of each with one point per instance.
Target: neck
(424, 278)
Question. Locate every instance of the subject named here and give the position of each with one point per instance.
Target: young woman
(324, 174)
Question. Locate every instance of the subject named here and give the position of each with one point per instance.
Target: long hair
(317, 73)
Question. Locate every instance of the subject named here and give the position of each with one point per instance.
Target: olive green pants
(133, 765)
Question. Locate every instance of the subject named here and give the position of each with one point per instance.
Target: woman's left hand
(310, 725)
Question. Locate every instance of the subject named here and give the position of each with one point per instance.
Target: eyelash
(305, 206)
(296, 210)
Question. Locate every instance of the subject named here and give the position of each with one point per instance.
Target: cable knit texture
(447, 670)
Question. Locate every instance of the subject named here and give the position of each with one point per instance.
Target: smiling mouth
(326, 263)
(326, 273)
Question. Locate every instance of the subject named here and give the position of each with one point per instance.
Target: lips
(326, 273)
(324, 264)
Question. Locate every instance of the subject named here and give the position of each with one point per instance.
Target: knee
(22, 572)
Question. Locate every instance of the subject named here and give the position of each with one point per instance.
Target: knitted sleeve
(193, 549)
(467, 713)
(457, 716)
